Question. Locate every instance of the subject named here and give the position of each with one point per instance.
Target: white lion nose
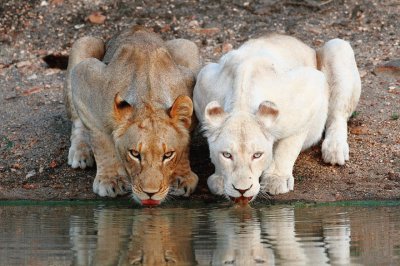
(242, 191)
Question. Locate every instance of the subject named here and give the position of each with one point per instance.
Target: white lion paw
(80, 155)
(335, 151)
(279, 184)
(216, 184)
(105, 186)
(184, 186)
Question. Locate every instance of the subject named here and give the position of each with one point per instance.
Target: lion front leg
(336, 60)
(111, 178)
(215, 184)
(184, 180)
(278, 179)
(80, 154)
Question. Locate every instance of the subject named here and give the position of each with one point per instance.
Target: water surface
(96, 233)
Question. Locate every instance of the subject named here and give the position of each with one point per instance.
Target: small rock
(96, 18)
(388, 187)
(57, 2)
(53, 164)
(32, 77)
(30, 174)
(29, 186)
(359, 131)
(226, 47)
(16, 166)
(166, 28)
(338, 196)
(363, 73)
(79, 26)
(315, 30)
(206, 31)
(44, 3)
(41, 169)
(51, 71)
(23, 64)
(393, 176)
(193, 24)
(390, 69)
(31, 91)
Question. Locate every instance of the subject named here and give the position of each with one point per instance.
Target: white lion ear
(267, 113)
(214, 115)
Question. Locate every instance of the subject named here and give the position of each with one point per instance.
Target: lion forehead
(153, 135)
(241, 131)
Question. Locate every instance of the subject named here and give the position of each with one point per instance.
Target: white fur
(280, 73)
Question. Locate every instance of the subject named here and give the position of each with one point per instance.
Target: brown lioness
(133, 111)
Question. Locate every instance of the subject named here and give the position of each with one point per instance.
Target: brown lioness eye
(168, 155)
(257, 155)
(227, 155)
(134, 154)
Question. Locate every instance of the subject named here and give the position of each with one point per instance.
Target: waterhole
(98, 233)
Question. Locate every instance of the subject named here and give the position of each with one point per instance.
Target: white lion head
(240, 147)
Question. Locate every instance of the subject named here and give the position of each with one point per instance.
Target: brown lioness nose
(241, 191)
(150, 194)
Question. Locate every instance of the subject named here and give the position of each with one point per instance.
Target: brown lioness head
(150, 144)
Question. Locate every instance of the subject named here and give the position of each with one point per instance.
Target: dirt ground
(34, 129)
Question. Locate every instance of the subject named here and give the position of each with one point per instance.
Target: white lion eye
(227, 155)
(257, 155)
(134, 154)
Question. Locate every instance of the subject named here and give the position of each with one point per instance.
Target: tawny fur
(131, 96)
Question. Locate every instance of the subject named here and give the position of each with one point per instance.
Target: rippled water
(95, 233)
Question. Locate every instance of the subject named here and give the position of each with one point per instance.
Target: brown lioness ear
(182, 110)
(267, 112)
(122, 109)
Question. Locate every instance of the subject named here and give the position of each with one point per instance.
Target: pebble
(359, 131)
(30, 174)
(79, 26)
(31, 77)
(23, 64)
(390, 69)
(206, 31)
(193, 24)
(226, 47)
(96, 18)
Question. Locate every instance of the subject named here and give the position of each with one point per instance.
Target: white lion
(264, 103)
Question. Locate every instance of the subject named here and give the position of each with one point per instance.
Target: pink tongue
(241, 200)
(150, 202)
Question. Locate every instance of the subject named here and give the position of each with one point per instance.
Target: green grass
(8, 144)
(394, 116)
(354, 114)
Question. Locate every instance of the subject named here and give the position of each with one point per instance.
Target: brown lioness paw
(110, 186)
(184, 185)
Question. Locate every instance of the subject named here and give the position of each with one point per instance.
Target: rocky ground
(35, 38)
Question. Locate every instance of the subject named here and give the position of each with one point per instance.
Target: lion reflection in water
(235, 236)
(151, 237)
